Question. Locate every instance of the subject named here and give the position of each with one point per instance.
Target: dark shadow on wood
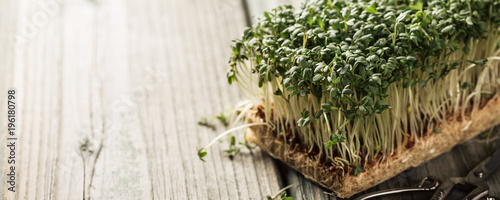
(246, 12)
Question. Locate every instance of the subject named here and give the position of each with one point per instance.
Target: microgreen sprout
(229, 118)
(357, 169)
(437, 130)
(234, 148)
(357, 78)
(202, 152)
(204, 122)
(281, 195)
(221, 117)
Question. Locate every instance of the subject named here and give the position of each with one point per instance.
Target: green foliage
(437, 130)
(283, 196)
(305, 119)
(357, 169)
(335, 138)
(371, 9)
(205, 122)
(417, 6)
(343, 48)
(202, 153)
(342, 64)
(222, 118)
(235, 148)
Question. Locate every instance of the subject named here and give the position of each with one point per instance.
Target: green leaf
(285, 59)
(283, 195)
(481, 62)
(372, 58)
(466, 85)
(346, 12)
(330, 102)
(202, 153)
(307, 73)
(422, 83)
(230, 77)
(303, 63)
(303, 93)
(310, 19)
(318, 114)
(278, 92)
(371, 10)
(320, 22)
(408, 83)
(381, 102)
(307, 121)
(222, 118)
(339, 136)
(291, 89)
(266, 14)
(335, 138)
(417, 6)
(328, 108)
(300, 122)
(233, 140)
(349, 114)
(305, 114)
(318, 77)
(357, 169)
(448, 30)
(346, 91)
(411, 58)
(468, 20)
(357, 35)
(376, 79)
(288, 198)
(367, 101)
(402, 16)
(328, 145)
(363, 110)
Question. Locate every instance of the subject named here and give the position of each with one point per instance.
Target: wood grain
(110, 93)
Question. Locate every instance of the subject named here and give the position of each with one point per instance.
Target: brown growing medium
(316, 168)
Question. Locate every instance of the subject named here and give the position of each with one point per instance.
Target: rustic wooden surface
(109, 93)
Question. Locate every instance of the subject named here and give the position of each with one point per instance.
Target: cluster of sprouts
(360, 79)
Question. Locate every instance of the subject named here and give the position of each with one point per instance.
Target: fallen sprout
(202, 151)
(282, 195)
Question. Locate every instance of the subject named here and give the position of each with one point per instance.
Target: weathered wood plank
(123, 155)
(7, 72)
(134, 79)
(38, 74)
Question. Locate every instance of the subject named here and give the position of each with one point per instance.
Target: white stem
(282, 190)
(231, 130)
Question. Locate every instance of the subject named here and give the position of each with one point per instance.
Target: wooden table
(109, 92)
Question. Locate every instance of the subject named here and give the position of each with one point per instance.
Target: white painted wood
(132, 78)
